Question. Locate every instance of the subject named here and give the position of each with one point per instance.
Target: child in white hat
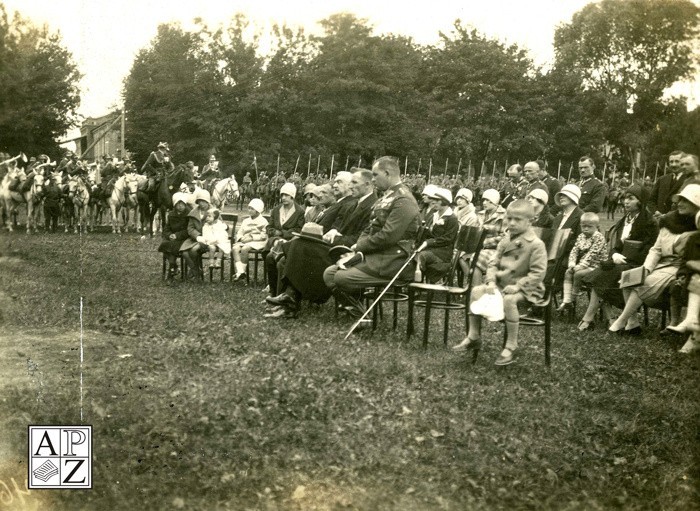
(252, 235)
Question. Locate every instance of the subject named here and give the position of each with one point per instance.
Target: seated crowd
(360, 231)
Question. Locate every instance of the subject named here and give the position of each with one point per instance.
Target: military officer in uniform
(384, 245)
(532, 176)
(514, 188)
(157, 164)
(592, 189)
(210, 173)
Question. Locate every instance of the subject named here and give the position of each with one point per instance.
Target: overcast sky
(104, 36)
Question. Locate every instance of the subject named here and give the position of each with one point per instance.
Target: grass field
(197, 402)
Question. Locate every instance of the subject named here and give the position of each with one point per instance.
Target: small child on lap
(589, 251)
(517, 269)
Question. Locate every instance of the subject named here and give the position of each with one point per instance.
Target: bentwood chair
(470, 241)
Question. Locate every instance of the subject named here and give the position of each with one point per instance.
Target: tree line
(351, 94)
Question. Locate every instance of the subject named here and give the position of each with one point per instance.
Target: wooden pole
(123, 151)
(656, 172)
(469, 169)
(359, 162)
(430, 169)
(419, 162)
(459, 166)
(255, 165)
(571, 168)
(559, 170)
(605, 166)
(347, 160)
(277, 175)
(445, 172)
(405, 167)
(493, 171)
(644, 173)
(332, 162)
(308, 168)
(318, 164)
(483, 167)
(297, 164)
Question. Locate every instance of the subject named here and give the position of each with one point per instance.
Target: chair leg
(409, 322)
(505, 335)
(547, 334)
(646, 315)
(396, 310)
(164, 271)
(447, 320)
(426, 323)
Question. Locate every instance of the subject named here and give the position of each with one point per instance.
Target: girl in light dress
(215, 237)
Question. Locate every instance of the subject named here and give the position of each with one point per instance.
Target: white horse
(11, 200)
(79, 194)
(123, 195)
(225, 189)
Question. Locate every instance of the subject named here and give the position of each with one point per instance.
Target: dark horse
(161, 199)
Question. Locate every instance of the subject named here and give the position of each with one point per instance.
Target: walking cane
(391, 282)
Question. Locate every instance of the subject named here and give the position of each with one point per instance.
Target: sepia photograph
(349, 255)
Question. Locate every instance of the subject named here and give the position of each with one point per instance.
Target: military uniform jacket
(388, 239)
(534, 186)
(592, 195)
(155, 165)
(513, 191)
(520, 261)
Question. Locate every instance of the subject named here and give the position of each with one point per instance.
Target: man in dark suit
(345, 203)
(363, 193)
(592, 189)
(666, 186)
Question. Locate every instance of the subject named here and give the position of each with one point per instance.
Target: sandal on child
(505, 358)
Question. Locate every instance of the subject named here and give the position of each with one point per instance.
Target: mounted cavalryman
(157, 164)
(210, 174)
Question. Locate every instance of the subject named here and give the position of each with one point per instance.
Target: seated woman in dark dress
(175, 232)
(636, 225)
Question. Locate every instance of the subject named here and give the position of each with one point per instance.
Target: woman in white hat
(251, 235)
(175, 232)
(492, 220)
(662, 263)
(569, 216)
(191, 249)
(538, 198)
(439, 235)
(285, 219)
(465, 210)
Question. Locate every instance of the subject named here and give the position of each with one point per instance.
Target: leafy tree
(630, 51)
(481, 94)
(39, 87)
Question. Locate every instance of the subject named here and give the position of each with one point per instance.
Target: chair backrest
(231, 220)
(470, 240)
(555, 243)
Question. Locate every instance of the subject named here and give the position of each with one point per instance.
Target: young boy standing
(517, 270)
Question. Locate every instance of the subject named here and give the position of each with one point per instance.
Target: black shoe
(635, 332)
(282, 299)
